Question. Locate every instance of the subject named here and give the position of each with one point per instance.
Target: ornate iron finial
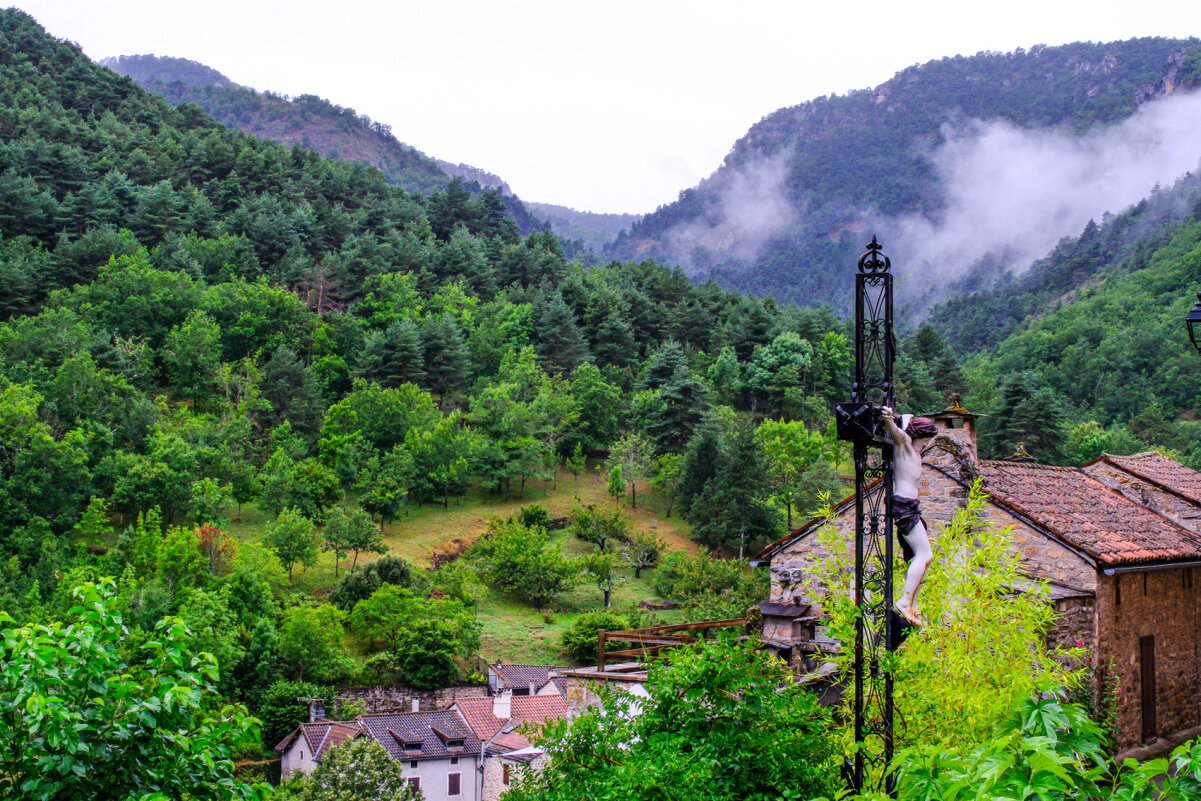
(873, 261)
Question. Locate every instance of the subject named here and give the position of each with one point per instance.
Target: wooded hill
(831, 163)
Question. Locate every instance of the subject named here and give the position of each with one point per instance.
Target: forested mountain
(799, 191)
(193, 318)
(594, 230)
(307, 120)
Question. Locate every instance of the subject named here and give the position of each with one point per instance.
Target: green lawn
(512, 630)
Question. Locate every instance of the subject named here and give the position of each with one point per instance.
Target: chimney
(316, 708)
(416, 707)
(533, 687)
(958, 425)
(502, 704)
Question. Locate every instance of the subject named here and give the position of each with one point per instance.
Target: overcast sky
(603, 106)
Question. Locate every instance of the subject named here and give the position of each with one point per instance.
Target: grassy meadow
(513, 631)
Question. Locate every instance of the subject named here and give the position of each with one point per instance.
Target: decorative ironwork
(878, 631)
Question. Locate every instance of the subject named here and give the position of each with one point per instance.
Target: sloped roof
(1073, 507)
(520, 676)
(1159, 470)
(321, 736)
(523, 709)
(1084, 513)
(433, 730)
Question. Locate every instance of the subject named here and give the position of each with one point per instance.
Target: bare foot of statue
(909, 613)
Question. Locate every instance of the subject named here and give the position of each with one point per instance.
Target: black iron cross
(879, 629)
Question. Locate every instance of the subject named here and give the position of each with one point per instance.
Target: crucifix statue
(907, 516)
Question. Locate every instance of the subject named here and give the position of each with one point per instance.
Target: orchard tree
(358, 768)
(668, 471)
(645, 551)
(635, 455)
(445, 451)
(358, 533)
(293, 537)
(605, 569)
(520, 559)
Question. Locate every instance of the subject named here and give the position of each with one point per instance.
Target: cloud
(749, 206)
(1012, 193)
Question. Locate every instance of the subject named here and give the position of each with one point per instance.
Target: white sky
(604, 106)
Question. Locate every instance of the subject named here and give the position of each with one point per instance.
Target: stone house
(526, 679)
(500, 724)
(1118, 541)
(438, 753)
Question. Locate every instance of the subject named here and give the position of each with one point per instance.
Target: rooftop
(421, 735)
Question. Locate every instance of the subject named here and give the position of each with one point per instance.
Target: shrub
(580, 639)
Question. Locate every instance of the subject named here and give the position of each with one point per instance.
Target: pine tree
(561, 347)
(683, 403)
(446, 359)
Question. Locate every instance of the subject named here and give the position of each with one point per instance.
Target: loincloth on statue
(906, 514)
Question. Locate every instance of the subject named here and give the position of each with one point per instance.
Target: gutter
(1150, 566)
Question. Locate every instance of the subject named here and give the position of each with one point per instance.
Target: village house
(501, 724)
(438, 753)
(1118, 541)
(526, 679)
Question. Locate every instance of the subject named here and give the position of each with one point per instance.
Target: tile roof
(321, 736)
(502, 731)
(436, 732)
(1085, 514)
(1160, 470)
(520, 676)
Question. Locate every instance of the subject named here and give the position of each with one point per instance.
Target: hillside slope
(800, 190)
(309, 121)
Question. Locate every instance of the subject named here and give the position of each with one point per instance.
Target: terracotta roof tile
(523, 709)
(1086, 514)
(1159, 469)
(321, 736)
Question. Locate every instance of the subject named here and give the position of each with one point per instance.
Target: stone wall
(1165, 604)
(400, 699)
(494, 774)
(1075, 624)
(1178, 510)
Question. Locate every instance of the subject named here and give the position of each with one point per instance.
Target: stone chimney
(533, 687)
(502, 704)
(316, 708)
(957, 435)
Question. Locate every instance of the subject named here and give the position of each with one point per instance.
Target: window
(414, 784)
(504, 779)
(452, 784)
(1117, 590)
(1144, 583)
(302, 754)
(413, 764)
(454, 760)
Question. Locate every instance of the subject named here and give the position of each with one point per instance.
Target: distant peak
(150, 69)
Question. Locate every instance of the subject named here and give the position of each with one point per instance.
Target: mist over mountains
(968, 165)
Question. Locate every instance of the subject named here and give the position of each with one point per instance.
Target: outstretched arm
(898, 436)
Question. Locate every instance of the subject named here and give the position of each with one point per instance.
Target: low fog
(1014, 193)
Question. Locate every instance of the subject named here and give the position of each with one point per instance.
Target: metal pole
(874, 632)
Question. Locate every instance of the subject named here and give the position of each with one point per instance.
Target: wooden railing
(654, 640)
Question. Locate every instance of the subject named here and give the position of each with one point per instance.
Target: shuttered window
(452, 784)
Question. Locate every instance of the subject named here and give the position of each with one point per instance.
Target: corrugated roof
(1084, 513)
(434, 731)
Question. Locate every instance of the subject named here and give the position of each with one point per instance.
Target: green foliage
(967, 682)
(714, 588)
(722, 720)
(293, 537)
(644, 551)
(281, 712)
(1045, 749)
(61, 683)
(520, 559)
(311, 644)
(580, 640)
(358, 769)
